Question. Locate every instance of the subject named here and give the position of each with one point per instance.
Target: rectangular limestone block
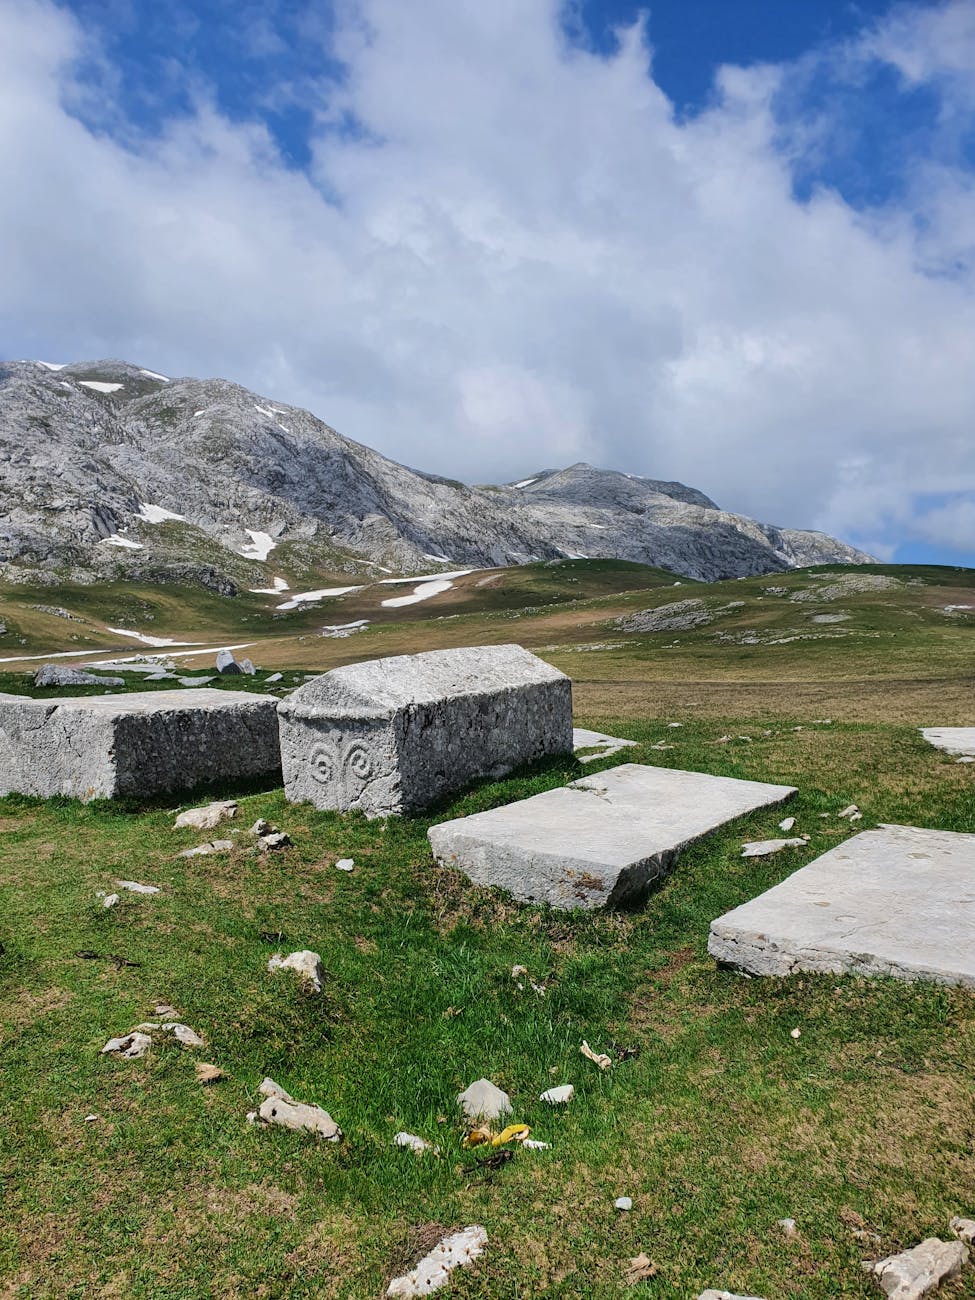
(896, 901)
(605, 840)
(105, 746)
(395, 735)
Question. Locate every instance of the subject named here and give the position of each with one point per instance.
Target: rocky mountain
(109, 469)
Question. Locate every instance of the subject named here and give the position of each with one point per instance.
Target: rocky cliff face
(107, 468)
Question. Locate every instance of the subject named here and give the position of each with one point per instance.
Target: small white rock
(787, 823)
(134, 887)
(414, 1143)
(458, 1250)
(273, 841)
(345, 864)
(558, 1096)
(623, 1203)
(206, 818)
(788, 1227)
(533, 1145)
(482, 1100)
(129, 1046)
(204, 850)
(110, 900)
(849, 810)
(762, 848)
(305, 963)
(795, 1033)
(964, 1229)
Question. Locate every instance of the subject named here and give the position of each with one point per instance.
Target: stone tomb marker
(895, 901)
(604, 840)
(144, 743)
(394, 735)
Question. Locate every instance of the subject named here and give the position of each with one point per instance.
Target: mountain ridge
(108, 468)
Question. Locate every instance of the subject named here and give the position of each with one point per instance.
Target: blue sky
(729, 241)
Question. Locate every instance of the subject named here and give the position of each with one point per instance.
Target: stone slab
(394, 735)
(895, 901)
(604, 840)
(146, 743)
(954, 740)
(602, 745)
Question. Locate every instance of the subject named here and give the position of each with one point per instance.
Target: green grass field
(712, 1117)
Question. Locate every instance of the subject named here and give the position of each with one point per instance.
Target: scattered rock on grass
(788, 1228)
(345, 864)
(639, 1269)
(281, 1109)
(130, 1046)
(305, 963)
(226, 664)
(414, 1143)
(204, 850)
(459, 1250)
(558, 1096)
(208, 1074)
(964, 1229)
(273, 841)
(482, 1100)
(183, 1034)
(762, 848)
(134, 887)
(787, 824)
(623, 1203)
(916, 1272)
(261, 827)
(53, 675)
(206, 818)
(108, 900)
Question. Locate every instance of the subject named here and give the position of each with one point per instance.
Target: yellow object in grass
(513, 1133)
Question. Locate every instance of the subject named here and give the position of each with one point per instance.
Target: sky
(730, 242)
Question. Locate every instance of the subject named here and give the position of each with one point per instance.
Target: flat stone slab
(146, 743)
(604, 840)
(896, 901)
(603, 746)
(954, 740)
(395, 735)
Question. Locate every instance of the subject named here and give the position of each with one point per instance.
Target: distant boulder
(227, 664)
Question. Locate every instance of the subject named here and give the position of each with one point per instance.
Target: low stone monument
(394, 735)
(105, 746)
(603, 841)
(895, 901)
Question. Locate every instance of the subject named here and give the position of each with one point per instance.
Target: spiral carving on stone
(357, 762)
(321, 762)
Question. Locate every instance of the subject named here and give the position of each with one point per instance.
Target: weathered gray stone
(603, 746)
(207, 817)
(953, 740)
(603, 840)
(227, 664)
(394, 735)
(139, 744)
(57, 675)
(892, 901)
(484, 1100)
(915, 1273)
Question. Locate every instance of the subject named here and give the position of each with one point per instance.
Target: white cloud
(520, 259)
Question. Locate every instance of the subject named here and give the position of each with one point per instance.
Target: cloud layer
(507, 253)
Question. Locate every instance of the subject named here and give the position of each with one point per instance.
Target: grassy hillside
(712, 1117)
